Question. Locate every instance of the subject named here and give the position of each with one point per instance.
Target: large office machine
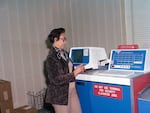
(115, 90)
(88, 56)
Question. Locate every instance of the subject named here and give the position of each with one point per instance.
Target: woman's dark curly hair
(55, 33)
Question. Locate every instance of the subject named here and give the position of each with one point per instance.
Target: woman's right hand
(78, 69)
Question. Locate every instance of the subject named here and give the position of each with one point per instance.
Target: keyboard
(117, 73)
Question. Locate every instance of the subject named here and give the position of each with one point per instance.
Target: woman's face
(61, 42)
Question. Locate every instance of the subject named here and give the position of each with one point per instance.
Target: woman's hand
(78, 69)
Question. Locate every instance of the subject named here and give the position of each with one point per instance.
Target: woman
(61, 92)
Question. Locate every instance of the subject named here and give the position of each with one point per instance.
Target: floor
(44, 111)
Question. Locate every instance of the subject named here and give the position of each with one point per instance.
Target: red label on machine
(128, 46)
(107, 91)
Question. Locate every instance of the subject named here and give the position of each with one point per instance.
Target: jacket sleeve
(56, 73)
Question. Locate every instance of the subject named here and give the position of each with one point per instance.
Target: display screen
(80, 56)
(77, 56)
(128, 59)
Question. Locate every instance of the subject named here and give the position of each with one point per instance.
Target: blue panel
(83, 89)
(103, 104)
(92, 103)
(144, 106)
(128, 59)
(144, 100)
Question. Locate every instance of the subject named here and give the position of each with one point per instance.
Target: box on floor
(6, 101)
(25, 109)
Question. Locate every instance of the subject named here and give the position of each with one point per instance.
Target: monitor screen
(80, 56)
(77, 56)
(128, 59)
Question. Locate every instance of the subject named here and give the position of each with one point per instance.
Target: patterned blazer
(59, 79)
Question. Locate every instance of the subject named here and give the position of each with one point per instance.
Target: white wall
(25, 24)
(98, 23)
(138, 22)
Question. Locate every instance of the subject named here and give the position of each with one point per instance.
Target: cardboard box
(6, 107)
(5, 91)
(26, 109)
